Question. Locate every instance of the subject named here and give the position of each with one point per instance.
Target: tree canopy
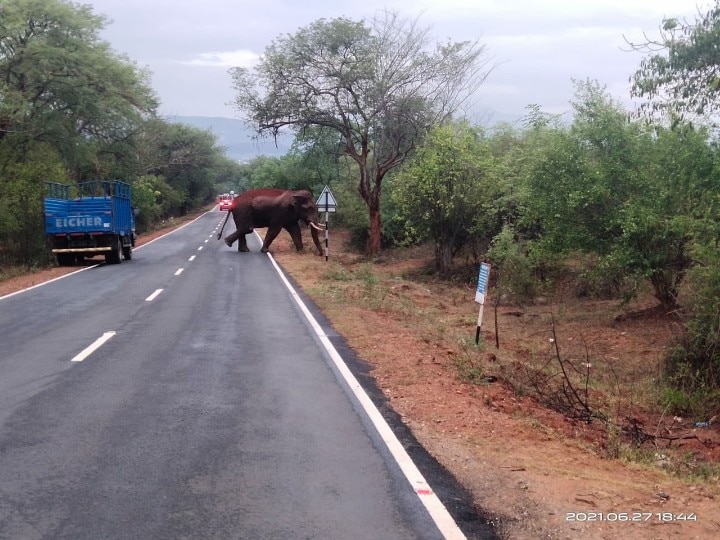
(376, 85)
(61, 81)
(440, 193)
(73, 109)
(681, 74)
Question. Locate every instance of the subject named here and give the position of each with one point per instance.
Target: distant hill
(236, 137)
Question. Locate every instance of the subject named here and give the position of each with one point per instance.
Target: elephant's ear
(299, 201)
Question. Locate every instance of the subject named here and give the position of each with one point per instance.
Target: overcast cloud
(539, 47)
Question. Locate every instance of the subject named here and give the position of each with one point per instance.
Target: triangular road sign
(326, 201)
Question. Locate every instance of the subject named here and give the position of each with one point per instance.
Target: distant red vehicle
(225, 202)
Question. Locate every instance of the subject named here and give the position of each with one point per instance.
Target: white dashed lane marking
(95, 345)
(153, 296)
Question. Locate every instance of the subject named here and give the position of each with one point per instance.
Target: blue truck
(89, 218)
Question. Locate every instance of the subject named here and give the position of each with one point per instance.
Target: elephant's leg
(230, 238)
(242, 242)
(296, 235)
(238, 235)
(243, 226)
(270, 235)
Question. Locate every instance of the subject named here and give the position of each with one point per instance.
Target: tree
(439, 193)
(693, 366)
(681, 74)
(61, 83)
(581, 177)
(22, 239)
(678, 186)
(376, 85)
(320, 153)
(621, 190)
(65, 97)
(320, 157)
(188, 160)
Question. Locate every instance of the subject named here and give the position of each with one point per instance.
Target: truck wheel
(127, 252)
(66, 259)
(113, 257)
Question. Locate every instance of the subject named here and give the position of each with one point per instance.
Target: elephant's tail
(219, 235)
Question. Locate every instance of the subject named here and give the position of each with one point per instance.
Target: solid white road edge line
(153, 296)
(95, 345)
(440, 515)
(48, 281)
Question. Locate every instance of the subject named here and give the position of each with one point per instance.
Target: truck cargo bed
(87, 218)
(89, 207)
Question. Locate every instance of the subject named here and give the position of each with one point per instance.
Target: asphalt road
(184, 394)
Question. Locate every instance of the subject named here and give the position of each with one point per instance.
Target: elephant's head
(307, 212)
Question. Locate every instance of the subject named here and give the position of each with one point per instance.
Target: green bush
(693, 366)
(144, 200)
(22, 234)
(513, 267)
(602, 279)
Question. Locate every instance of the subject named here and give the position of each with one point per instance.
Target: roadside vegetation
(604, 207)
(587, 368)
(603, 203)
(71, 109)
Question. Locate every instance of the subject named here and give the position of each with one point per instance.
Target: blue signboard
(482, 283)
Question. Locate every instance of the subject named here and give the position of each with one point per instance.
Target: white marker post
(480, 295)
(326, 203)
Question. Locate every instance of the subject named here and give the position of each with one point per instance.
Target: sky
(537, 47)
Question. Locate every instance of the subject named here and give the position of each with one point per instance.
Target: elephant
(275, 209)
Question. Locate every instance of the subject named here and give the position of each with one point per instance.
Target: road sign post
(326, 203)
(480, 295)
(327, 237)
